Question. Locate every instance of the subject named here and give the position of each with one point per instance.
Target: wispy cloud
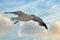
(5, 25)
(54, 14)
(34, 30)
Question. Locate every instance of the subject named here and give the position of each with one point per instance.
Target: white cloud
(5, 25)
(32, 28)
(55, 33)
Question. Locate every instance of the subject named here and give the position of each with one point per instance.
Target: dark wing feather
(16, 13)
(40, 21)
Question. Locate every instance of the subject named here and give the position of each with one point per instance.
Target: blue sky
(48, 10)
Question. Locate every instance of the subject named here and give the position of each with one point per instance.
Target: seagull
(24, 17)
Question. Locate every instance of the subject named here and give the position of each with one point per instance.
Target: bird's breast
(24, 18)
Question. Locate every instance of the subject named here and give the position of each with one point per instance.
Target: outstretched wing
(40, 21)
(16, 13)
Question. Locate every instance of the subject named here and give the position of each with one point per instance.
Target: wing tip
(6, 12)
(45, 26)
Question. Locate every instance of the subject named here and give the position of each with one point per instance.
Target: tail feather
(13, 18)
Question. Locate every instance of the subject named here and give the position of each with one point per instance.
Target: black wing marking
(40, 21)
(16, 13)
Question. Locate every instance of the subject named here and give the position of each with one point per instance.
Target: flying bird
(24, 17)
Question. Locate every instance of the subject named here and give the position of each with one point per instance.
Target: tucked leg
(16, 22)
